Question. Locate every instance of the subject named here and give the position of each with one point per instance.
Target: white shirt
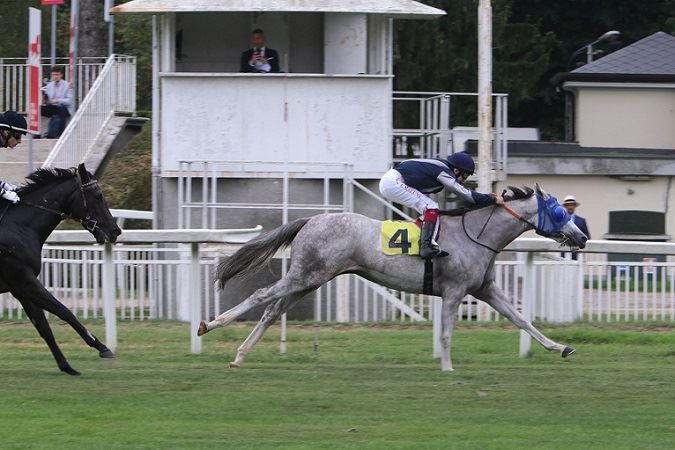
(62, 93)
(261, 67)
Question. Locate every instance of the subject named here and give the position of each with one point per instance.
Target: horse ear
(82, 171)
(540, 191)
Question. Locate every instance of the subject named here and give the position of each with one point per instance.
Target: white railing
(140, 280)
(113, 91)
(14, 74)
(200, 201)
(425, 122)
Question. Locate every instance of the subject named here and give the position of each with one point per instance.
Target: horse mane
(516, 194)
(44, 176)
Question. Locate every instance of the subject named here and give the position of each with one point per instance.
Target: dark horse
(48, 197)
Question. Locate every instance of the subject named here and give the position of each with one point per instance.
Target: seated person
(259, 59)
(58, 103)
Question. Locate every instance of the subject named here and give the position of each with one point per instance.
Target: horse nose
(583, 241)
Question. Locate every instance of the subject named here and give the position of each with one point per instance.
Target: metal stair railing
(113, 91)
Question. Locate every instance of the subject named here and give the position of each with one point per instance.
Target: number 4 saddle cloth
(400, 238)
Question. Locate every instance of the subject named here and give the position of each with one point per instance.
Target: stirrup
(437, 248)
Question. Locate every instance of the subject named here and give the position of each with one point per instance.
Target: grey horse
(319, 254)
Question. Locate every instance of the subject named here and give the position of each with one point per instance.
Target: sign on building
(649, 270)
(34, 75)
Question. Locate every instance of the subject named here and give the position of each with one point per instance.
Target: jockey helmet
(462, 161)
(14, 122)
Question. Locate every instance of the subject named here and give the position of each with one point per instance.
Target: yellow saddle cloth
(400, 238)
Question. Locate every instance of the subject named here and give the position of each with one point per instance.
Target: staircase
(102, 124)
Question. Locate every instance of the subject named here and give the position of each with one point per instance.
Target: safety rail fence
(14, 76)
(113, 91)
(432, 125)
(141, 279)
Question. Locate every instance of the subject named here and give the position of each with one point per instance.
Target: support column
(109, 310)
(528, 300)
(195, 299)
(485, 96)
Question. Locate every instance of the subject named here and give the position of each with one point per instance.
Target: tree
(91, 28)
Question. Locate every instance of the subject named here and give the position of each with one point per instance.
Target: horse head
(554, 222)
(91, 209)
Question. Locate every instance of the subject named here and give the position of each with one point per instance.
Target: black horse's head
(90, 208)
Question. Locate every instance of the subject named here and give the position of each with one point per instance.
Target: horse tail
(256, 253)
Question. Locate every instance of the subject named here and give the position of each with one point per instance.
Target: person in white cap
(570, 203)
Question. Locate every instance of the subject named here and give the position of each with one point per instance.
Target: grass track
(370, 387)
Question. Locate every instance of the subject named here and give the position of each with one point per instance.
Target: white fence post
(109, 310)
(342, 299)
(437, 305)
(195, 300)
(528, 300)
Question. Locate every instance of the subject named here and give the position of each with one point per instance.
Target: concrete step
(14, 162)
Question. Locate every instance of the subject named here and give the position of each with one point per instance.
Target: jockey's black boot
(430, 249)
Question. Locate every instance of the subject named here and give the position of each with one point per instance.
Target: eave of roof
(393, 8)
(612, 77)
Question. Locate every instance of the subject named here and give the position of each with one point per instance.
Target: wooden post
(109, 310)
(528, 301)
(195, 299)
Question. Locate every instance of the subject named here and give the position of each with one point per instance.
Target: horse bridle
(515, 214)
(88, 223)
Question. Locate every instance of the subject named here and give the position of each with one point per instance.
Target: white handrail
(114, 90)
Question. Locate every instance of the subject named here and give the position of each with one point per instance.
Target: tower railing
(113, 91)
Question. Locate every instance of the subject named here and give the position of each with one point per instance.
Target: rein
(508, 209)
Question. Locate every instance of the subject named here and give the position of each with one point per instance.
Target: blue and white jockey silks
(551, 217)
(411, 179)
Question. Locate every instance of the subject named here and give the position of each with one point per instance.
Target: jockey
(410, 180)
(12, 127)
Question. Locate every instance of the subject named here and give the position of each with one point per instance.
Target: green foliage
(369, 387)
(532, 40)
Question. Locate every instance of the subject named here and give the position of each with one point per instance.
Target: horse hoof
(70, 371)
(234, 365)
(107, 353)
(567, 351)
(203, 329)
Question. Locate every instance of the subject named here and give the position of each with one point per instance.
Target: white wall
(272, 117)
(345, 43)
(623, 117)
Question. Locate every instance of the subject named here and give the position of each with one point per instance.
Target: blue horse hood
(551, 217)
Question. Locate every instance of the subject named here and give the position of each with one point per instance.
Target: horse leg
(288, 285)
(448, 312)
(27, 288)
(496, 298)
(37, 317)
(271, 315)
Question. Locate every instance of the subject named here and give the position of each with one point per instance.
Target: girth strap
(428, 286)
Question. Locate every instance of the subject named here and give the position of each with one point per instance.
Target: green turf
(369, 387)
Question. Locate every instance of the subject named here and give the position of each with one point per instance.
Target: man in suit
(259, 59)
(570, 203)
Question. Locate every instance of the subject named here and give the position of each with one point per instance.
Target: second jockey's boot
(428, 248)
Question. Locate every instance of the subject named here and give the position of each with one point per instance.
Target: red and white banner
(72, 52)
(34, 72)
(51, 2)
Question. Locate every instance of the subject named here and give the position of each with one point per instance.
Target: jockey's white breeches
(393, 188)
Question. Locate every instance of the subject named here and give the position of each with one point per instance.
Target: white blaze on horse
(473, 239)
